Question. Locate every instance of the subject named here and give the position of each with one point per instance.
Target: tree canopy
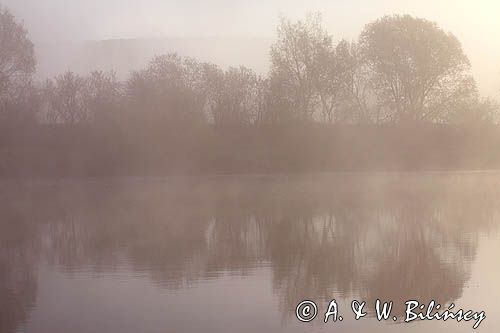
(17, 55)
(419, 71)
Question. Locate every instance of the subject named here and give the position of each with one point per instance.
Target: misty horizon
(126, 55)
(488, 81)
(474, 24)
(266, 166)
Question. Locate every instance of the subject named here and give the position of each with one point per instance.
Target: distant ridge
(125, 55)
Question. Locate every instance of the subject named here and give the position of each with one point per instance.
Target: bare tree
(236, 96)
(310, 75)
(419, 69)
(66, 99)
(298, 57)
(341, 88)
(357, 102)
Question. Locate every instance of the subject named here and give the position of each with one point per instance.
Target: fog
(69, 23)
(159, 156)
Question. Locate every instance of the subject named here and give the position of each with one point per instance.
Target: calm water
(237, 254)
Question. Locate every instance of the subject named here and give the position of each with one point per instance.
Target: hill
(125, 55)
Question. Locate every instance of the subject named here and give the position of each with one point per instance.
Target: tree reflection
(368, 237)
(19, 246)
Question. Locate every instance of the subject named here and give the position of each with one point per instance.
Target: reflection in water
(393, 237)
(18, 249)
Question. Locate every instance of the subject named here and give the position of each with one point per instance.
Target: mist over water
(209, 166)
(224, 252)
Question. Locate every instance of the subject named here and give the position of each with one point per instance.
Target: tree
(418, 69)
(103, 95)
(474, 111)
(170, 91)
(66, 98)
(21, 105)
(17, 64)
(341, 84)
(236, 96)
(310, 77)
(358, 102)
(297, 60)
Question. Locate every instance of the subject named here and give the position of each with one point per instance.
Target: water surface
(237, 254)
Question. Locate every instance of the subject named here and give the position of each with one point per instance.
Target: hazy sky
(475, 22)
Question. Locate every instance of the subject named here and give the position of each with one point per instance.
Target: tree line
(402, 70)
